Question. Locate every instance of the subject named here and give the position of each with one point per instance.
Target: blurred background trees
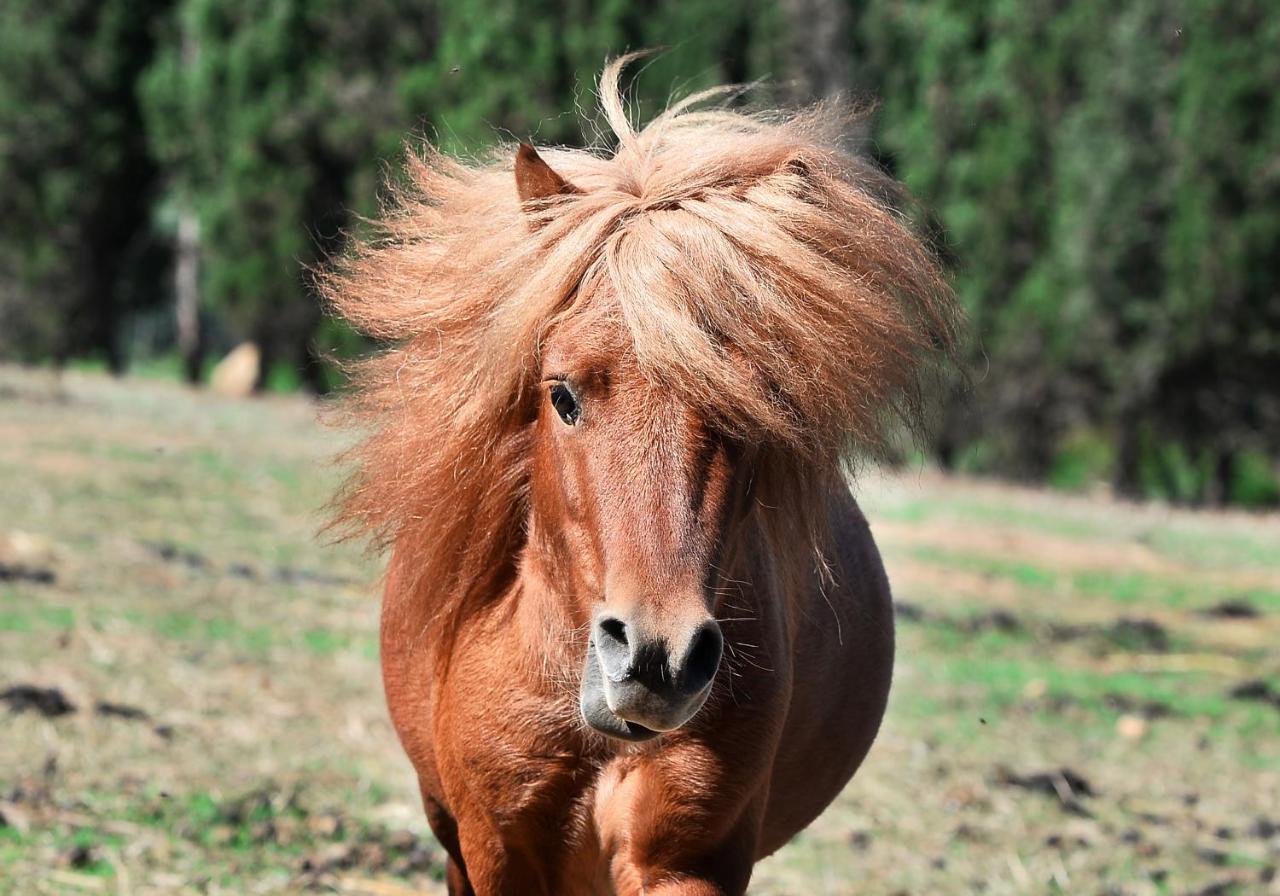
(1103, 178)
(77, 176)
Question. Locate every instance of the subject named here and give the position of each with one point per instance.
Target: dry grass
(1042, 633)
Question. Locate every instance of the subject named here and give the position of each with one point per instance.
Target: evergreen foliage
(76, 176)
(1103, 178)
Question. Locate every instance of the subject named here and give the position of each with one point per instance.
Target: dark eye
(565, 404)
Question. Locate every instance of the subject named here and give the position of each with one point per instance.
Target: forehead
(589, 339)
(591, 347)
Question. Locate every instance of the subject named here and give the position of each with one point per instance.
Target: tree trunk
(186, 266)
(1125, 473)
(818, 51)
(1217, 488)
(105, 314)
(311, 368)
(186, 288)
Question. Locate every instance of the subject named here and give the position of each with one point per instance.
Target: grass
(247, 639)
(1118, 587)
(1041, 632)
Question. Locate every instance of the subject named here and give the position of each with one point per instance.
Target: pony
(635, 631)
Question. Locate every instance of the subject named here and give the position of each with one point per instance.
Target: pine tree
(76, 251)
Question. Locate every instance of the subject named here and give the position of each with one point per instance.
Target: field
(1087, 697)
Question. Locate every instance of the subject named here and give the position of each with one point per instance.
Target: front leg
(676, 824)
(445, 827)
(721, 871)
(456, 881)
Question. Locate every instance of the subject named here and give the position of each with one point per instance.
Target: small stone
(1132, 727)
(237, 374)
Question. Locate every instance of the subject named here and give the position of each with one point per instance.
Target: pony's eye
(565, 404)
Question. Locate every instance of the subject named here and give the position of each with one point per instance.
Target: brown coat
(636, 633)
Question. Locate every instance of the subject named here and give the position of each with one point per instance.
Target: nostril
(612, 648)
(702, 659)
(614, 629)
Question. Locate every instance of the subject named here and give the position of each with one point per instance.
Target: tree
(273, 130)
(263, 128)
(1100, 176)
(75, 245)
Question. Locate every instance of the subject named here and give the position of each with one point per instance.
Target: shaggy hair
(758, 271)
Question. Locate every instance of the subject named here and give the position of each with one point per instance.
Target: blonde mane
(759, 271)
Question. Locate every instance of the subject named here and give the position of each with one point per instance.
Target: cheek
(568, 500)
(571, 470)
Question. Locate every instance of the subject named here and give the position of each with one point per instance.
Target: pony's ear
(534, 178)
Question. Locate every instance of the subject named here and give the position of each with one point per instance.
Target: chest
(534, 798)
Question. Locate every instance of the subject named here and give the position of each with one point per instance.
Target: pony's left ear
(535, 180)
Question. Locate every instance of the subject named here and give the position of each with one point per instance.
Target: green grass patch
(953, 635)
(187, 627)
(18, 615)
(1026, 575)
(31, 619)
(1020, 517)
(1212, 550)
(166, 367)
(128, 453)
(1130, 589)
(990, 678)
(976, 510)
(258, 640)
(1127, 589)
(89, 839)
(325, 641)
(14, 621)
(216, 464)
(906, 512)
(13, 845)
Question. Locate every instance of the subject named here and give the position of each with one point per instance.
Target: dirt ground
(1087, 697)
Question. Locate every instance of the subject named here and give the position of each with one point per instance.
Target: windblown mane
(760, 272)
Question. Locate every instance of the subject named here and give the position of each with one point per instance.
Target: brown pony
(635, 632)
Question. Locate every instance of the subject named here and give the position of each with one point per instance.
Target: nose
(654, 678)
